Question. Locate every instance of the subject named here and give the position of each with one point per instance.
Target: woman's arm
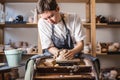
(68, 54)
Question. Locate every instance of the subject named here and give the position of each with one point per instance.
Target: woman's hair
(46, 5)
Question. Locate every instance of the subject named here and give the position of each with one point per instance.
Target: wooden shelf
(108, 1)
(60, 1)
(2, 54)
(71, 1)
(102, 54)
(86, 25)
(2, 1)
(66, 1)
(2, 25)
(28, 25)
(30, 54)
(90, 14)
(20, 1)
(102, 25)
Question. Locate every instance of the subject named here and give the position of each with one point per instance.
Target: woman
(59, 32)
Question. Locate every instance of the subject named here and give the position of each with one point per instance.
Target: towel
(31, 65)
(30, 70)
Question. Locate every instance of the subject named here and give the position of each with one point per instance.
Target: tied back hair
(46, 5)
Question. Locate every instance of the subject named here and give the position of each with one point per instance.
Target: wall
(110, 34)
(30, 35)
(20, 34)
(108, 61)
(27, 34)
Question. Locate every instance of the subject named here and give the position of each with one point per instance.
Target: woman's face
(53, 17)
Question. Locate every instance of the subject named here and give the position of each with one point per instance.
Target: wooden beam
(60, 1)
(1, 36)
(93, 27)
(88, 37)
(65, 1)
(71, 1)
(39, 45)
(108, 1)
(27, 25)
(20, 1)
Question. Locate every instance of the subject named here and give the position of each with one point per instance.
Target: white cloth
(30, 71)
(73, 23)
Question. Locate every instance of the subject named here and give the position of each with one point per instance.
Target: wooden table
(5, 69)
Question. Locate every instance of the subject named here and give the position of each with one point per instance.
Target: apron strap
(68, 40)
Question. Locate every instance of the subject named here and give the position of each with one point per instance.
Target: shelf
(108, 1)
(102, 25)
(105, 54)
(72, 1)
(110, 53)
(86, 25)
(30, 54)
(2, 25)
(66, 1)
(20, 1)
(28, 25)
(60, 1)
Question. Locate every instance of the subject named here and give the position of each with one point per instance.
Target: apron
(64, 43)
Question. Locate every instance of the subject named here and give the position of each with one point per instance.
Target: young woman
(60, 33)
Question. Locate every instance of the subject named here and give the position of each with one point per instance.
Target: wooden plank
(86, 25)
(1, 33)
(93, 27)
(63, 70)
(60, 1)
(71, 1)
(88, 38)
(39, 45)
(65, 77)
(88, 12)
(108, 1)
(2, 25)
(66, 1)
(21, 0)
(101, 25)
(21, 25)
(2, 1)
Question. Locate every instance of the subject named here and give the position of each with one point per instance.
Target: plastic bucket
(13, 57)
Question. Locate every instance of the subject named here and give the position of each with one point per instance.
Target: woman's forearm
(79, 47)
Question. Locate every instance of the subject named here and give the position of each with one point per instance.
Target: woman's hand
(66, 54)
(69, 55)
